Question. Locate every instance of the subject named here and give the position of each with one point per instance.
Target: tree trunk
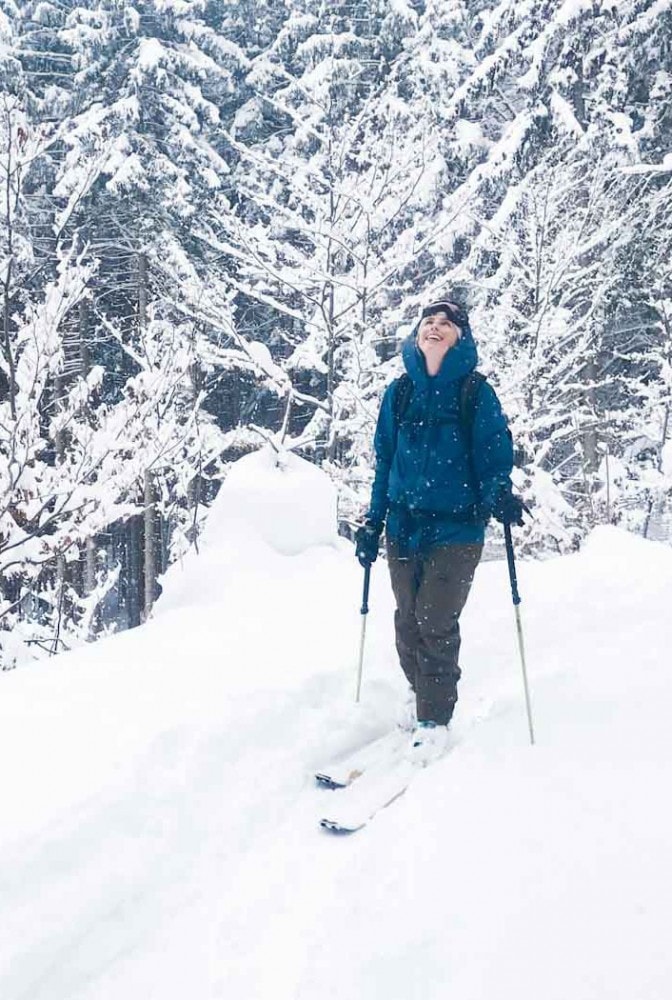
(84, 352)
(142, 292)
(150, 546)
(134, 572)
(588, 431)
(8, 221)
(60, 590)
(89, 581)
(150, 540)
(9, 353)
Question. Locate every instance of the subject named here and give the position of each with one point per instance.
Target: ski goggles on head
(456, 313)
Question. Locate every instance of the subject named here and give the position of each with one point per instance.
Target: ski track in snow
(161, 831)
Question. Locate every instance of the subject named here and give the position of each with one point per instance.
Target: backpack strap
(469, 390)
(402, 396)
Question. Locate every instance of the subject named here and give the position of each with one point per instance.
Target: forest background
(219, 219)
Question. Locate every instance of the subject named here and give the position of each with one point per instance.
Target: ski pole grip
(365, 595)
(512, 564)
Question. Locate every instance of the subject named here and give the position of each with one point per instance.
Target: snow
(564, 115)
(261, 356)
(666, 459)
(248, 115)
(278, 497)
(571, 10)
(403, 10)
(160, 837)
(469, 134)
(664, 167)
(151, 53)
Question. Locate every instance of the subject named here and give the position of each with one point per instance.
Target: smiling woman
(436, 335)
(436, 485)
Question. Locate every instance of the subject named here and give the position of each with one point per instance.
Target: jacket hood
(458, 362)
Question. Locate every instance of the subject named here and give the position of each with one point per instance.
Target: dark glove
(366, 542)
(508, 508)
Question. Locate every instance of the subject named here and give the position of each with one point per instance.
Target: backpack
(469, 389)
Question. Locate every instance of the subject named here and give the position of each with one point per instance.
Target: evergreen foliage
(218, 220)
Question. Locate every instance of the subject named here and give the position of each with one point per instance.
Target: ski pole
(519, 625)
(364, 612)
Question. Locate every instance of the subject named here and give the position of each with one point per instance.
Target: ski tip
(324, 781)
(333, 826)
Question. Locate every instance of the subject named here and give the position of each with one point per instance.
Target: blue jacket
(426, 483)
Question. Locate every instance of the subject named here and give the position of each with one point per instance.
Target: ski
(381, 785)
(377, 788)
(343, 771)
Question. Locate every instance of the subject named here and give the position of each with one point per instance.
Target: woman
(443, 462)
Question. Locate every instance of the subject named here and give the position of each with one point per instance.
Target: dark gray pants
(431, 591)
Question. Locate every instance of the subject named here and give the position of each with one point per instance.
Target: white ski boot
(429, 742)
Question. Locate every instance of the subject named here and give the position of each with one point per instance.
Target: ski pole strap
(512, 564)
(365, 595)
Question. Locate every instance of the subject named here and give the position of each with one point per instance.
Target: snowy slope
(159, 834)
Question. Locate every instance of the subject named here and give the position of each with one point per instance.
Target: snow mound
(160, 832)
(281, 498)
(616, 555)
(271, 506)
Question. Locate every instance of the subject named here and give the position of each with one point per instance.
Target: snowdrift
(159, 834)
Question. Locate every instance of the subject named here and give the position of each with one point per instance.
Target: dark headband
(456, 313)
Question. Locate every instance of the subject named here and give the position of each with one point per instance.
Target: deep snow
(159, 818)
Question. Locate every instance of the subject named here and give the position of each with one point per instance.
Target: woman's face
(436, 336)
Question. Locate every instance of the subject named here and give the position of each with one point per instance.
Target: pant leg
(405, 579)
(447, 575)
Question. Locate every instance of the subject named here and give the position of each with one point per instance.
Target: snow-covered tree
(218, 219)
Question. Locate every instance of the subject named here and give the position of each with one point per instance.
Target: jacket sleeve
(492, 447)
(384, 445)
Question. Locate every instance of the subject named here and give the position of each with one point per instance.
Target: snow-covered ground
(159, 818)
